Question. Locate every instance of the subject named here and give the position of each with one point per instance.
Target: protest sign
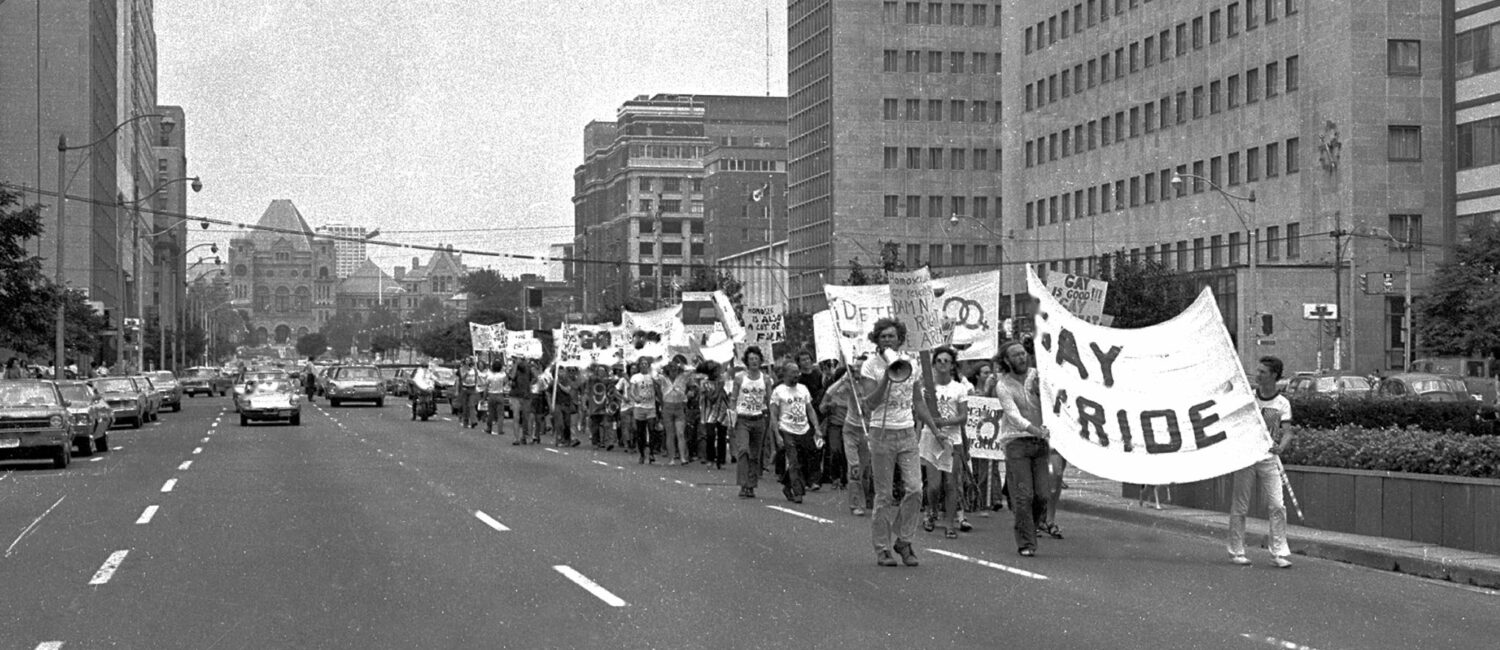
(971, 305)
(1168, 403)
(664, 323)
(983, 428)
(523, 344)
(914, 303)
(855, 310)
(699, 315)
(825, 336)
(481, 337)
(1081, 296)
(727, 316)
(763, 325)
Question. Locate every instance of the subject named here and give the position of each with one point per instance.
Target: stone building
(287, 275)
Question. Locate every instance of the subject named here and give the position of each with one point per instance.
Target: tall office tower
(351, 254)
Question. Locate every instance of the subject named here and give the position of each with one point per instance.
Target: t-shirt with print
(752, 399)
(1283, 409)
(641, 389)
(895, 412)
(674, 391)
(794, 401)
(949, 397)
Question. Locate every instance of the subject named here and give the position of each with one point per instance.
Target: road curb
(1461, 567)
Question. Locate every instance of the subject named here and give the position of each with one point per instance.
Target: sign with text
(764, 325)
(1168, 403)
(825, 336)
(970, 306)
(855, 310)
(1081, 296)
(983, 428)
(481, 337)
(585, 345)
(914, 303)
(731, 321)
(523, 344)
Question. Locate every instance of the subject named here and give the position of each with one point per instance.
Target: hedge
(1469, 417)
(1396, 450)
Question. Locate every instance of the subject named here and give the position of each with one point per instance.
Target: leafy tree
(339, 331)
(30, 298)
(1457, 317)
(448, 342)
(799, 332)
(312, 345)
(890, 260)
(1144, 292)
(383, 343)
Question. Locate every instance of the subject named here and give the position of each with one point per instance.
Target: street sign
(1265, 341)
(1320, 311)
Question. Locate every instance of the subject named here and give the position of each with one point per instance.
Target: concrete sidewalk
(1091, 495)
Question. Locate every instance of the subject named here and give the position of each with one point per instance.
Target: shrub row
(1396, 450)
(1472, 418)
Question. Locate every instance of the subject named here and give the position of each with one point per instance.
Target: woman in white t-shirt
(797, 427)
(641, 392)
(749, 399)
(938, 449)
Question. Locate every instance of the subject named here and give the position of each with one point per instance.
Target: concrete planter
(1462, 513)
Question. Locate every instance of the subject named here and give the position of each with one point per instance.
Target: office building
(744, 190)
(1476, 72)
(350, 252)
(168, 292)
(894, 129)
(1109, 101)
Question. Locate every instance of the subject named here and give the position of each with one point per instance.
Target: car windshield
(28, 394)
(202, 372)
(146, 383)
(76, 393)
(1421, 386)
(115, 386)
(162, 376)
(272, 386)
(262, 376)
(359, 373)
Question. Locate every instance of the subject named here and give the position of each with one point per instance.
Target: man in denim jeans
(839, 401)
(1024, 440)
(1266, 473)
(895, 403)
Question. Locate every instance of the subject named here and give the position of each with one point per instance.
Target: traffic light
(1364, 283)
(534, 297)
(1266, 325)
(1387, 280)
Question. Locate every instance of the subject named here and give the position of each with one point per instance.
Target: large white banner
(481, 337)
(1162, 404)
(581, 346)
(855, 310)
(914, 303)
(971, 307)
(826, 336)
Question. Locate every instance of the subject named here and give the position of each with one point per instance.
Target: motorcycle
(423, 397)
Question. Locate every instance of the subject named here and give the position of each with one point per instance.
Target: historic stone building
(286, 273)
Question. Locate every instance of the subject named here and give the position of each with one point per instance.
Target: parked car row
(51, 419)
(1423, 386)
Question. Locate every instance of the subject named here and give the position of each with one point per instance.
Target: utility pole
(1338, 290)
(1407, 324)
(656, 226)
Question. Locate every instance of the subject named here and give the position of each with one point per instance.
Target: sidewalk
(1091, 495)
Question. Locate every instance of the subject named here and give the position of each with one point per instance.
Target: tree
(383, 343)
(447, 342)
(30, 298)
(890, 260)
(312, 345)
(1458, 315)
(1144, 292)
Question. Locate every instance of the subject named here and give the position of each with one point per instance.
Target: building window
(1182, 256)
(892, 62)
(647, 248)
(1135, 57)
(1406, 228)
(1215, 93)
(1273, 83)
(935, 207)
(1182, 107)
(1252, 85)
(956, 14)
(892, 205)
(1293, 241)
(913, 157)
(1293, 164)
(1197, 253)
(934, 110)
(1291, 73)
(671, 249)
(1405, 143)
(1216, 170)
(981, 159)
(935, 158)
(957, 206)
(1273, 160)
(1404, 58)
(956, 158)
(1234, 168)
(913, 60)
(1252, 165)
(913, 13)
(1477, 51)
(1478, 143)
(1273, 243)
(1198, 33)
(913, 206)
(1233, 21)
(1215, 30)
(892, 157)
(956, 110)
(913, 110)
(956, 62)
(1252, 14)
(1234, 91)
(981, 207)
(1197, 102)
(934, 13)
(934, 61)
(1234, 249)
(890, 110)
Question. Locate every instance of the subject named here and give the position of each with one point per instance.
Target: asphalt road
(361, 529)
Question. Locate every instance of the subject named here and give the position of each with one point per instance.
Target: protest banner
(523, 344)
(983, 428)
(764, 326)
(825, 336)
(699, 314)
(1081, 296)
(1163, 404)
(855, 310)
(914, 303)
(481, 337)
(727, 316)
(971, 305)
(663, 325)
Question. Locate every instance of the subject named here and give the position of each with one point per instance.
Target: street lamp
(161, 328)
(1251, 238)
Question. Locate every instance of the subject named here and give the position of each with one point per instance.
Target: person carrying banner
(749, 400)
(797, 424)
(839, 402)
(1266, 473)
(892, 392)
(939, 448)
(713, 402)
(493, 388)
(1025, 441)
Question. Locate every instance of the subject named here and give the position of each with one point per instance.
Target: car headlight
(81, 418)
(56, 421)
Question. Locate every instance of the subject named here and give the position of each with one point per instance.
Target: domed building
(286, 273)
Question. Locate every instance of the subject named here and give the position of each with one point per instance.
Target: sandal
(929, 523)
(1052, 531)
(964, 525)
(1026, 552)
(950, 533)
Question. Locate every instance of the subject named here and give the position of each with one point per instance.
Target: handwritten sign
(1081, 296)
(983, 428)
(764, 325)
(914, 303)
(970, 307)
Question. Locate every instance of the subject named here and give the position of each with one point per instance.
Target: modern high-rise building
(169, 274)
(1229, 140)
(1476, 71)
(136, 170)
(639, 195)
(351, 253)
(894, 137)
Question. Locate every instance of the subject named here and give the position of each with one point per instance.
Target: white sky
(431, 115)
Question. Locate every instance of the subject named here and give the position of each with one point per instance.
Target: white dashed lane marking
(592, 587)
(49, 645)
(147, 515)
(985, 563)
(552, 450)
(95, 459)
(490, 521)
(185, 464)
(1280, 643)
(801, 514)
(197, 450)
(167, 487)
(107, 571)
(600, 462)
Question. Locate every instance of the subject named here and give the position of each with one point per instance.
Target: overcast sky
(429, 115)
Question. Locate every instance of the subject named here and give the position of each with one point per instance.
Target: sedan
(204, 380)
(1329, 384)
(1422, 386)
(124, 398)
(241, 386)
(34, 422)
(153, 396)
(272, 399)
(171, 391)
(92, 417)
(357, 383)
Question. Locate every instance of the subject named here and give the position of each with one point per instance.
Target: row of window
(957, 110)
(673, 206)
(668, 184)
(953, 158)
(668, 226)
(956, 62)
(1217, 251)
(670, 249)
(1074, 21)
(1479, 143)
(1477, 51)
(1161, 114)
(1097, 72)
(940, 207)
(678, 151)
(1158, 186)
(739, 165)
(957, 14)
(951, 255)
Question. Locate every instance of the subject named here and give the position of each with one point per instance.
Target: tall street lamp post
(1252, 296)
(161, 328)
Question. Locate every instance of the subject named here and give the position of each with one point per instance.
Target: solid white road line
(108, 570)
(26, 531)
(49, 645)
(167, 487)
(147, 515)
(551, 450)
(1280, 643)
(992, 565)
(197, 450)
(593, 587)
(600, 462)
(185, 464)
(801, 514)
(490, 521)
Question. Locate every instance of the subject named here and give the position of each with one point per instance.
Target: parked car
(248, 377)
(92, 417)
(1481, 376)
(124, 398)
(207, 380)
(1423, 386)
(399, 383)
(272, 398)
(1329, 384)
(153, 396)
(171, 391)
(34, 423)
(356, 383)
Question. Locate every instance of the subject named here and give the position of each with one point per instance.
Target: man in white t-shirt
(797, 424)
(895, 403)
(1266, 472)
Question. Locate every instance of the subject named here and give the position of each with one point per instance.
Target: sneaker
(856, 511)
(1240, 560)
(883, 557)
(672, 463)
(964, 525)
(745, 493)
(908, 556)
(1282, 563)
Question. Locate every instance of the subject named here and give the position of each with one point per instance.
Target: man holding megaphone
(892, 395)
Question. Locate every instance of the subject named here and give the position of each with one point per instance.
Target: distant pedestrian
(1025, 441)
(644, 394)
(713, 405)
(749, 401)
(673, 384)
(494, 387)
(796, 419)
(892, 392)
(521, 376)
(1266, 473)
(468, 391)
(13, 369)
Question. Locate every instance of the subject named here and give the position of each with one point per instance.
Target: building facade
(894, 129)
(1208, 135)
(1476, 72)
(286, 273)
(440, 279)
(762, 273)
(168, 278)
(366, 290)
(639, 199)
(350, 252)
(744, 189)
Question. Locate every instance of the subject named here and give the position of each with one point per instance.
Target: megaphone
(898, 368)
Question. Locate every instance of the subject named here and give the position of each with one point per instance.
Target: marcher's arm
(1011, 413)
(919, 409)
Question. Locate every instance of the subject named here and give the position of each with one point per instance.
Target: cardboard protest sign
(970, 304)
(1168, 403)
(983, 428)
(855, 310)
(659, 325)
(523, 344)
(825, 336)
(914, 303)
(481, 337)
(699, 315)
(1081, 296)
(727, 316)
(764, 325)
